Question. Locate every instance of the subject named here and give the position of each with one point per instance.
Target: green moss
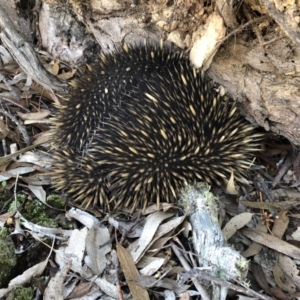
(20, 200)
(190, 192)
(34, 211)
(243, 264)
(63, 222)
(56, 201)
(39, 214)
(5, 194)
(3, 233)
(21, 293)
(8, 258)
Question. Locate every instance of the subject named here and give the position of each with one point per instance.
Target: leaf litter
(124, 256)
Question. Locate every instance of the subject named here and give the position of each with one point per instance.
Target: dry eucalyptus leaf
(55, 288)
(272, 242)
(169, 226)
(38, 89)
(40, 121)
(39, 192)
(159, 244)
(132, 230)
(277, 205)
(252, 250)
(5, 56)
(55, 67)
(81, 290)
(43, 113)
(36, 158)
(107, 287)
(131, 273)
(236, 223)
(289, 267)
(260, 277)
(149, 281)
(75, 250)
(21, 170)
(139, 247)
(150, 265)
(230, 187)
(255, 248)
(9, 157)
(37, 179)
(204, 48)
(163, 206)
(67, 75)
(95, 251)
(5, 217)
(187, 228)
(42, 138)
(296, 234)
(83, 217)
(286, 285)
(4, 130)
(4, 176)
(281, 224)
(35, 271)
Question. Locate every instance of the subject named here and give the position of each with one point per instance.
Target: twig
(10, 88)
(242, 27)
(21, 128)
(287, 24)
(284, 168)
(15, 103)
(187, 267)
(204, 276)
(25, 55)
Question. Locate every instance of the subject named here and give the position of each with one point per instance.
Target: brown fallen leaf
(237, 222)
(286, 285)
(260, 277)
(277, 205)
(6, 216)
(280, 225)
(166, 283)
(255, 248)
(43, 113)
(82, 289)
(131, 273)
(272, 242)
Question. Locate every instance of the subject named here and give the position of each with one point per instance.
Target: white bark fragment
(208, 240)
(205, 47)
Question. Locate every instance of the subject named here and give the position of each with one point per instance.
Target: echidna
(140, 124)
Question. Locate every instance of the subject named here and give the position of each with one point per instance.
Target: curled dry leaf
(286, 285)
(131, 273)
(138, 248)
(26, 277)
(5, 217)
(255, 248)
(43, 113)
(236, 223)
(3, 130)
(272, 242)
(289, 267)
(97, 247)
(55, 288)
(167, 283)
(230, 187)
(150, 265)
(39, 192)
(280, 224)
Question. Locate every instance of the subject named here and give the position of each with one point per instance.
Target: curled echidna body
(139, 125)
